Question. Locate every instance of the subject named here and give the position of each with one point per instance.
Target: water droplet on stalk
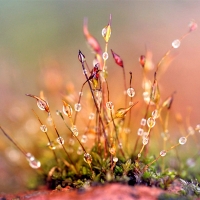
(155, 114)
(35, 164)
(115, 159)
(109, 105)
(43, 128)
(74, 130)
(91, 116)
(84, 138)
(105, 56)
(51, 145)
(182, 140)
(131, 92)
(77, 107)
(79, 151)
(191, 130)
(112, 150)
(151, 122)
(163, 153)
(145, 141)
(60, 140)
(143, 122)
(140, 132)
(87, 158)
(176, 44)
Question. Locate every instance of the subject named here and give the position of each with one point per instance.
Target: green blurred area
(39, 39)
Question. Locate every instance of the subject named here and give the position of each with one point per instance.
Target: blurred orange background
(39, 43)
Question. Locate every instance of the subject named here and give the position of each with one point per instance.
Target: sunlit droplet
(163, 153)
(60, 140)
(155, 114)
(145, 141)
(105, 56)
(176, 44)
(192, 26)
(139, 155)
(43, 128)
(140, 132)
(143, 122)
(35, 164)
(84, 138)
(79, 151)
(182, 140)
(30, 157)
(109, 105)
(120, 145)
(51, 145)
(40, 105)
(131, 92)
(115, 159)
(85, 71)
(71, 141)
(87, 158)
(91, 116)
(77, 107)
(74, 130)
(151, 122)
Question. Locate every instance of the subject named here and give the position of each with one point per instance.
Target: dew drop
(30, 157)
(140, 132)
(87, 158)
(50, 121)
(145, 141)
(74, 130)
(91, 116)
(143, 122)
(35, 164)
(43, 128)
(71, 141)
(80, 93)
(163, 153)
(51, 145)
(79, 151)
(77, 107)
(85, 71)
(109, 105)
(151, 122)
(84, 138)
(60, 140)
(120, 145)
(192, 26)
(104, 31)
(115, 159)
(139, 155)
(155, 114)
(182, 140)
(176, 44)
(105, 56)
(40, 105)
(131, 92)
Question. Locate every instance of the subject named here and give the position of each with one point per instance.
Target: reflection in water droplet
(43, 128)
(131, 92)
(182, 140)
(60, 140)
(176, 44)
(77, 107)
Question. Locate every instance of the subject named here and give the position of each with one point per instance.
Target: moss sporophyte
(104, 152)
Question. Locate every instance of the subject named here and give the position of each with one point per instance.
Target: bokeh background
(39, 43)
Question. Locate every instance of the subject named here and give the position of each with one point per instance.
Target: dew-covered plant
(103, 152)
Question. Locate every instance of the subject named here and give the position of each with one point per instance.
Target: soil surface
(114, 191)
